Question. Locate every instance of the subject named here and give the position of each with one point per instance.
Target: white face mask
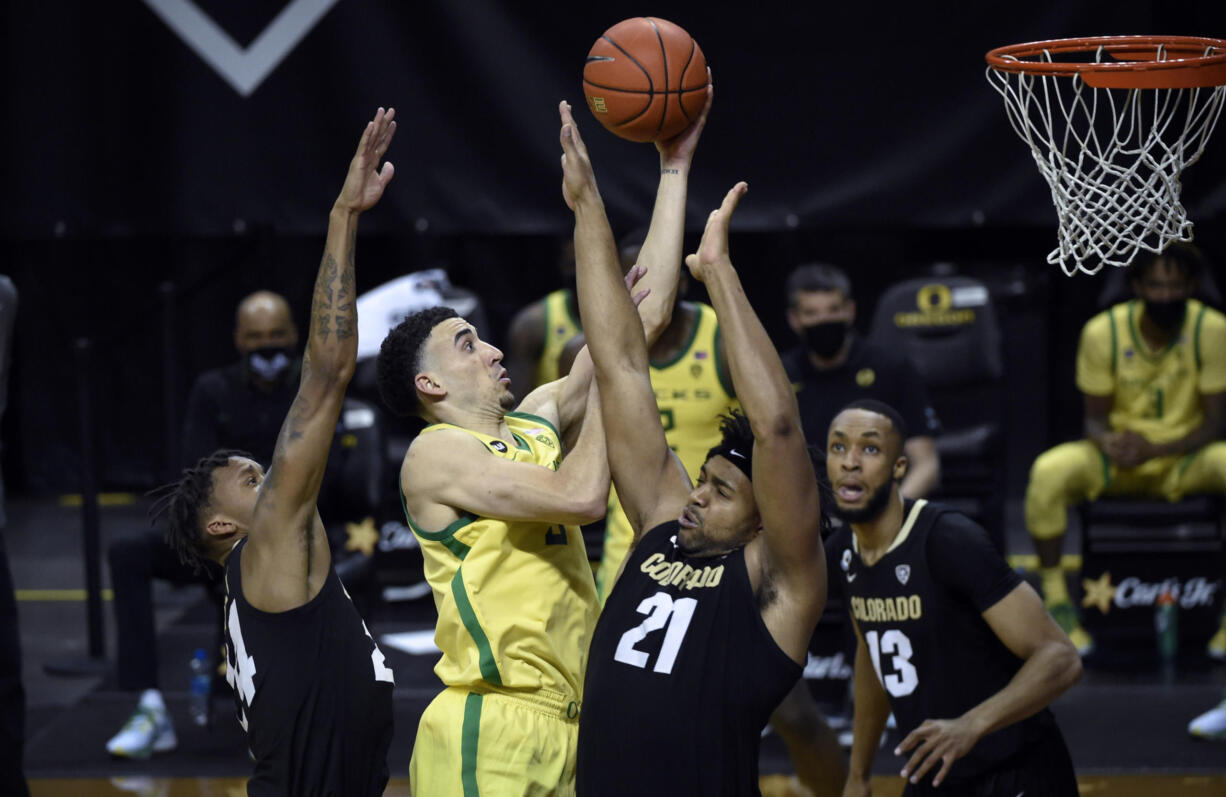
(268, 363)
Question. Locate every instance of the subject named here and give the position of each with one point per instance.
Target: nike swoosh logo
(852, 577)
(736, 453)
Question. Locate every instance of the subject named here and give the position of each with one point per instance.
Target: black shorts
(1044, 769)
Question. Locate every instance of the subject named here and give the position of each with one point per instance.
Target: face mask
(268, 363)
(826, 338)
(1167, 316)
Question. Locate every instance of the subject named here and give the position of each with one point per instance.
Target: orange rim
(1187, 65)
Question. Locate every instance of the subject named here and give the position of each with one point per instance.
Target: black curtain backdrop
(867, 132)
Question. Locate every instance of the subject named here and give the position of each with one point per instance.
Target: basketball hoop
(1112, 125)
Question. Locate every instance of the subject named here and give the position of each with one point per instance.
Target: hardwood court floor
(772, 786)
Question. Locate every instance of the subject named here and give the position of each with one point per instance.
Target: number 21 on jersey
(661, 611)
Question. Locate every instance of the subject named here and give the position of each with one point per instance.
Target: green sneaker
(1066, 617)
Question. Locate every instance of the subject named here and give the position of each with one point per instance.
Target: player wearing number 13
(950, 637)
(312, 689)
(705, 629)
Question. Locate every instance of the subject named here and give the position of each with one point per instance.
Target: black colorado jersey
(312, 691)
(919, 609)
(682, 676)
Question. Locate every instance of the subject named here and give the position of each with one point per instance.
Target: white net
(1112, 157)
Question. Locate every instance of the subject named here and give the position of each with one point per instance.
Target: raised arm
(285, 511)
(784, 483)
(660, 258)
(650, 482)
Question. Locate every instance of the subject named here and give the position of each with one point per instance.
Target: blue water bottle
(201, 685)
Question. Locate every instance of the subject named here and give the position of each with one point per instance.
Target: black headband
(737, 455)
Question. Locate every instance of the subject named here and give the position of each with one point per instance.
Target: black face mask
(1168, 315)
(269, 363)
(826, 338)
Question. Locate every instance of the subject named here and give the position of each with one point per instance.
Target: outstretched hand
(365, 181)
(713, 249)
(678, 151)
(578, 179)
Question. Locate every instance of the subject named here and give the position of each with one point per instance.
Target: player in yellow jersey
(491, 495)
(1153, 371)
(541, 330)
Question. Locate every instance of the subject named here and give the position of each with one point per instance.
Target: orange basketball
(645, 79)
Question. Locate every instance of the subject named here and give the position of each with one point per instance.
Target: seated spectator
(1153, 372)
(832, 366)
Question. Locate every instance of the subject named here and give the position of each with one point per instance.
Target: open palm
(713, 249)
(365, 181)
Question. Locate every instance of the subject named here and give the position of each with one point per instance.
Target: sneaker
(146, 732)
(1066, 617)
(1211, 724)
(1217, 645)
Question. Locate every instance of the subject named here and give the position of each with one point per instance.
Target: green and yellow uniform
(691, 396)
(1156, 394)
(560, 327)
(516, 609)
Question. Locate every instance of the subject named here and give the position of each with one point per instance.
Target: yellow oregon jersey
(516, 600)
(691, 397)
(560, 327)
(1154, 393)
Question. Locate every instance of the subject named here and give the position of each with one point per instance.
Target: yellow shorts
(495, 745)
(1074, 472)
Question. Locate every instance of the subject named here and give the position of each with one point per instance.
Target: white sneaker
(1211, 724)
(146, 732)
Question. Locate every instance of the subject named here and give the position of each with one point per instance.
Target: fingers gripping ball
(645, 79)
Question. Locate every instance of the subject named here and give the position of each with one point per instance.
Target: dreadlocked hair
(735, 431)
(180, 503)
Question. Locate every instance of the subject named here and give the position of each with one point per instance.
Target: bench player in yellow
(1153, 371)
(493, 503)
(541, 330)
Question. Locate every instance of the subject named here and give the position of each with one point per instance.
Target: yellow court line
(1030, 562)
(58, 595)
(104, 499)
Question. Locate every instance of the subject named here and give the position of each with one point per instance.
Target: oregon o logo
(572, 710)
(934, 298)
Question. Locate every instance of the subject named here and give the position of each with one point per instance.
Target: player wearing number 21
(312, 689)
(949, 636)
(705, 629)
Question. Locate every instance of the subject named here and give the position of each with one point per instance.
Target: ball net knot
(1112, 156)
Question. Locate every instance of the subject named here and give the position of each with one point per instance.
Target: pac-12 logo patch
(498, 446)
(846, 559)
(904, 573)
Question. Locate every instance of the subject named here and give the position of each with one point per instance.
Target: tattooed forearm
(333, 308)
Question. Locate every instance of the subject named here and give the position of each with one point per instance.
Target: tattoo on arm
(670, 171)
(333, 307)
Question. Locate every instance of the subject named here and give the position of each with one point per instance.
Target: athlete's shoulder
(947, 526)
(1105, 323)
(442, 442)
(1208, 320)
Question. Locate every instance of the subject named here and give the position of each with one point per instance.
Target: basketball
(645, 79)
